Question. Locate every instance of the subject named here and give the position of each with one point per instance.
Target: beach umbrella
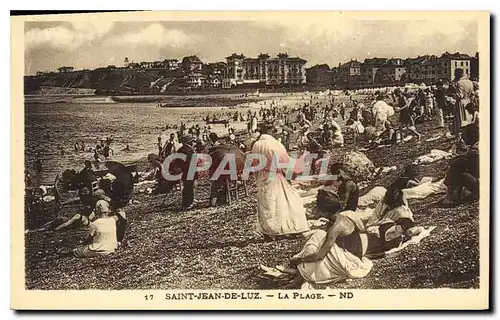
(217, 154)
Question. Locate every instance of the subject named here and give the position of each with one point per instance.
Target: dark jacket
(184, 165)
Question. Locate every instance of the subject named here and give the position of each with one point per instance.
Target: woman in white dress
(280, 208)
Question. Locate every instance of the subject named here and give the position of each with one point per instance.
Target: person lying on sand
(78, 220)
(102, 236)
(408, 179)
(323, 258)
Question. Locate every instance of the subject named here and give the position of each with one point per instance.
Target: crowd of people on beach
(318, 125)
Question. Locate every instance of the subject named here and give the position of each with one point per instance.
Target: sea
(51, 130)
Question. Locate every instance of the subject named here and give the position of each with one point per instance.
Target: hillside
(107, 81)
(124, 82)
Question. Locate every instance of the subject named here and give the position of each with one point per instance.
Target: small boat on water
(93, 100)
(224, 121)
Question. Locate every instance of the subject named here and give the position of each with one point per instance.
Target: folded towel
(434, 138)
(433, 156)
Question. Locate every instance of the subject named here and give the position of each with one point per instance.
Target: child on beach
(102, 237)
(407, 109)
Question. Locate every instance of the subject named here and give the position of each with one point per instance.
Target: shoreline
(209, 100)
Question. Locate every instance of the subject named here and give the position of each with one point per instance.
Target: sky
(91, 44)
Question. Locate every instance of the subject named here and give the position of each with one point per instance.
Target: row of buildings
(284, 70)
(237, 70)
(264, 70)
(393, 71)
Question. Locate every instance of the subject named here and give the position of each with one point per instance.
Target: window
(461, 63)
(456, 64)
(466, 63)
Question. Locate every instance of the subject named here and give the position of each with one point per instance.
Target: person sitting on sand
(336, 131)
(303, 121)
(326, 135)
(303, 139)
(102, 235)
(231, 138)
(356, 128)
(96, 156)
(116, 192)
(388, 136)
(155, 173)
(463, 173)
(347, 190)
(355, 114)
(472, 109)
(393, 206)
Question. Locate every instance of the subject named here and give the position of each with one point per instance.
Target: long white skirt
(280, 208)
